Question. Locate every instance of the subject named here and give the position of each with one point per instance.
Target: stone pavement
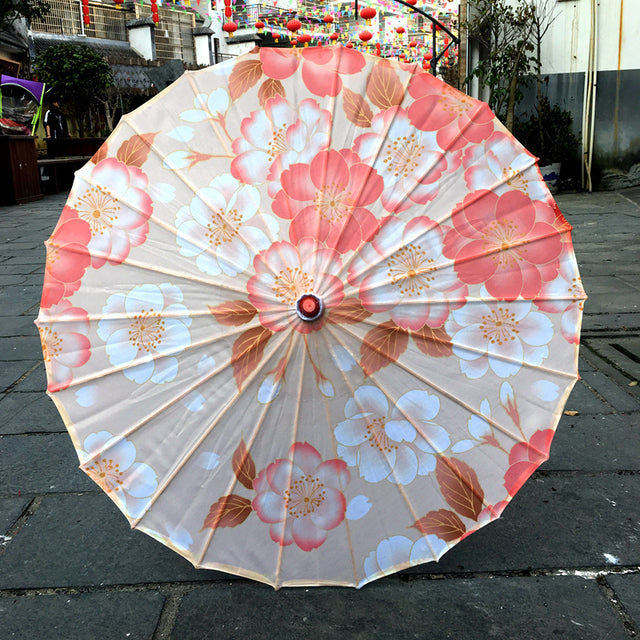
(563, 560)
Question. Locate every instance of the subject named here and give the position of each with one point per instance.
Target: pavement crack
(613, 599)
(21, 520)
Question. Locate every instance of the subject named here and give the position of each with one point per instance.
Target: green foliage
(11, 10)
(75, 74)
(508, 57)
(547, 134)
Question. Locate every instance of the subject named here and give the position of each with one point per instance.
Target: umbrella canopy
(311, 316)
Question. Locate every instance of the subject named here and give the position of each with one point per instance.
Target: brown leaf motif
(433, 342)
(229, 511)
(100, 154)
(270, 88)
(233, 313)
(381, 346)
(384, 88)
(135, 150)
(356, 108)
(247, 352)
(244, 76)
(442, 523)
(349, 311)
(460, 486)
(243, 465)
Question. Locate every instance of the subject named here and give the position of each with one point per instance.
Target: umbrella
(310, 316)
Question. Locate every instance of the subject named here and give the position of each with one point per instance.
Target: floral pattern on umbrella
(311, 316)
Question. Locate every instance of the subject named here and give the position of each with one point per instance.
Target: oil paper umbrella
(310, 316)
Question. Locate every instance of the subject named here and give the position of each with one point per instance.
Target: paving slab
(17, 300)
(627, 588)
(29, 412)
(20, 348)
(44, 463)
(501, 609)
(36, 378)
(12, 371)
(10, 510)
(585, 400)
(84, 616)
(555, 522)
(81, 540)
(595, 443)
(618, 397)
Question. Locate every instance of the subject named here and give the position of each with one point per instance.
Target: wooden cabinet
(19, 174)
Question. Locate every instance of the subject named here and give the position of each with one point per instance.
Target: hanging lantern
(260, 26)
(400, 30)
(118, 3)
(365, 36)
(293, 25)
(328, 19)
(368, 13)
(229, 28)
(349, 45)
(294, 42)
(154, 11)
(413, 44)
(275, 35)
(429, 56)
(412, 2)
(228, 12)
(305, 39)
(333, 37)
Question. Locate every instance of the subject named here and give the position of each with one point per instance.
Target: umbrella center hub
(309, 307)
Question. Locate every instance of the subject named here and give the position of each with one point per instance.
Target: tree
(505, 32)
(11, 10)
(77, 76)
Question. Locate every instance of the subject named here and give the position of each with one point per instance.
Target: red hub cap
(309, 307)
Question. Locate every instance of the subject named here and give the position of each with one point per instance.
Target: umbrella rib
(134, 363)
(397, 484)
(442, 155)
(456, 400)
(449, 395)
(185, 457)
(298, 405)
(169, 403)
(502, 357)
(332, 440)
(363, 185)
(234, 481)
(184, 179)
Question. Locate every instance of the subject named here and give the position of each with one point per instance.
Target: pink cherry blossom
(507, 242)
(301, 497)
(457, 118)
(67, 257)
(525, 458)
(115, 203)
(321, 66)
(278, 136)
(329, 199)
(284, 273)
(565, 295)
(409, 160)
(65, 345)
(402, 271)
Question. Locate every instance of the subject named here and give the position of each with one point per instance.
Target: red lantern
(228, 12)
(400, 30)
(334, 36)
(229, 28)
(412, 2)
(429, 56)
(86, 19)
(293, 25)
(305, 39)
(294, 42)
(349, 45)
(328, 19)
(368, 13)
(413, 43)
(260, 26)
(227, 3)
(365, 36)
(118, 3)
(85, 10)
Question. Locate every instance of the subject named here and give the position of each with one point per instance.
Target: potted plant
(547, 134)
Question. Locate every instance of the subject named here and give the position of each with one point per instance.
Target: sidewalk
(564, 560)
